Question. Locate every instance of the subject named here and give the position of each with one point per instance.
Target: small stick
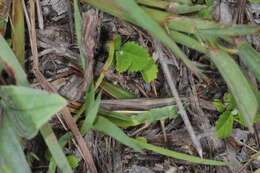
(39, 15)
(175, 93)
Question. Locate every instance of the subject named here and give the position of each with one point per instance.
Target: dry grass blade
(179, 103)
(18, 38)
(86, 154)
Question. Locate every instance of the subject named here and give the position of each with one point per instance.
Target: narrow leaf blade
(238, 84)
(250, 57)
(107, 127)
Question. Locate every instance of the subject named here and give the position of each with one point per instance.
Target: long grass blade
(238, 85)
(178, 155)
(250, 57)
(8, 58)
(55, 148)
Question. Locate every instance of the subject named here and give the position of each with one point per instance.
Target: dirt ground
(59, 62)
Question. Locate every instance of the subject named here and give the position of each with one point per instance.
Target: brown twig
(179, 103)
(90, 22)
(46, 85)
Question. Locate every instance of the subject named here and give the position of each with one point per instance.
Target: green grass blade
(62, 141)
(108, 63)
(116, 91)
(107, 127)
(187, 41)
(18, 33)
(55, 149)
(78, 25)
(178, 155)
(150, 116)
(11, 153)
(238, 85)
(175, 9)
(7, 57)
(156, 114)
(198, 26)
(92, 107)
(250, 57)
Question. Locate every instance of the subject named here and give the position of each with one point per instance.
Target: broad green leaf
(107, 127)
(116, 91)
(55, 149)
(28, 109)
(150, 73)
(218, 105)
(238, 85)
(73, 161)
(8, 58)
(178, 155)
(92, 106)
(118, 42)
(132, 57)
(224, 125)
(12, 158)
(250, 57)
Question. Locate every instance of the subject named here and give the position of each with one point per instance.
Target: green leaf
(218, 105)
(12, 158)
(250, 57)
(7, 57)
(156, 114)
(146, 18)
(188, 41)
(238, 84)
(107, 127)
(224, 125)
(118, 42)
(92, 107)
(62, 141)
(254, 0)
(150, 73)
(148, 117)
(28, 109)
(73, 161)
(55, 149)
(178, 155)
(132, 57)
(116, 91)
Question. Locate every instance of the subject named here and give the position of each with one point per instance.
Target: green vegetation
(134, 58)
(186, 24)
(229, 115)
